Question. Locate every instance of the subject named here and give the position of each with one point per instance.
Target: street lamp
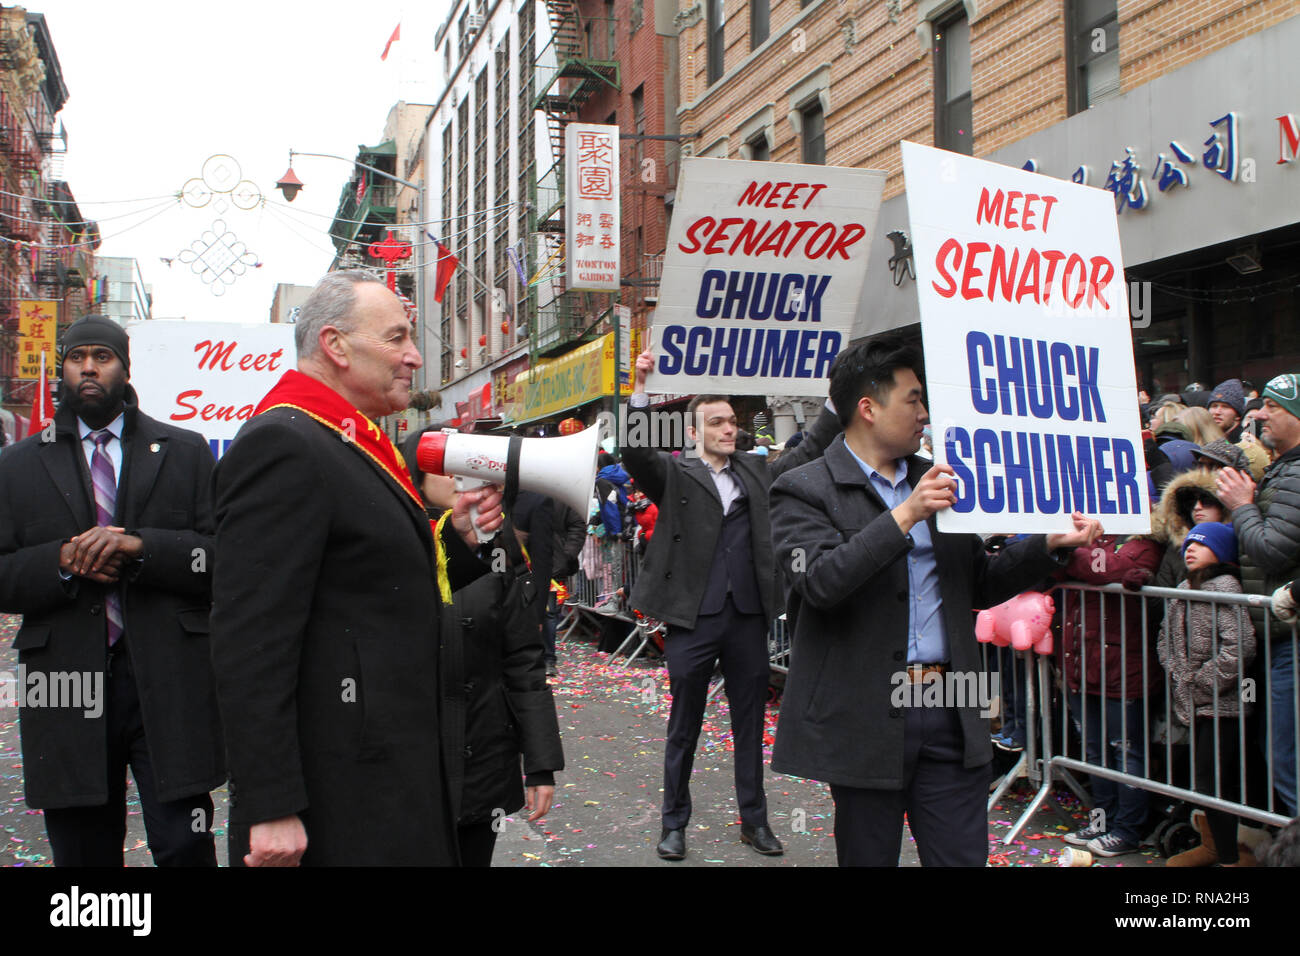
(290, 185)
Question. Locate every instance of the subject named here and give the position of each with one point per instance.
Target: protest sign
(1028, 347)
(207, 376)
(762, 275)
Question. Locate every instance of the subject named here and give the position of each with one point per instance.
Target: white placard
(1028, 346)
(762, 276)
(591, 208)
(207, 376)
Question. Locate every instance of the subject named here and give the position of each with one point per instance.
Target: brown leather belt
(917, 673)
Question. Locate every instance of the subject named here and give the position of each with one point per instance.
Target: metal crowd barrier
(1156, 756)
(600, 590)
(1034, 694)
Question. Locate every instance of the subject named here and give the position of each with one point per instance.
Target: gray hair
(330, 303)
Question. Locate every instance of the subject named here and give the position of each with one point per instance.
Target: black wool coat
(497, 705)
(671, 583)
(845, 557)
(45, 499)
(325, 644)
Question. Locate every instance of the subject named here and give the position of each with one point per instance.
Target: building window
(952, 82)
(611, 30)
(638, 124)
(759, 22)
(814, 133)
(1094, 52)
(636, 16)
(759, 151)
(716, 43)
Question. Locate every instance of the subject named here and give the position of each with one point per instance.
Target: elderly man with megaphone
(326, 603)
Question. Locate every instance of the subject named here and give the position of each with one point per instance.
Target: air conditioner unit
(474, 24)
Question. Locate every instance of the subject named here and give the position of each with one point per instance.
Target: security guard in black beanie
(106, 551)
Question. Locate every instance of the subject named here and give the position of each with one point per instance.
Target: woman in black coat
(496, 704)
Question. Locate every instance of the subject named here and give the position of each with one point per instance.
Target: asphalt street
(606, 812)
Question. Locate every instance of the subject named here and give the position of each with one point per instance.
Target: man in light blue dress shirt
(880, 600)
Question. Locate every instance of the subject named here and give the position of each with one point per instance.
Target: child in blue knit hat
(1207, 652)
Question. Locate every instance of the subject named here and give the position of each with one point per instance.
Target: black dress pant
(179, 831)
(739, 641)
(477, 841)
(944, 801)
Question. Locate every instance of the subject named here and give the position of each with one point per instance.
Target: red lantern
(464, 353)
(482, 340)
(505, 328)
(570, 426)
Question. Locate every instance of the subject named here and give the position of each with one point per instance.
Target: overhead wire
(429, 222)
(23, 243)
(85, 222)
(446, 239)
(90, 202)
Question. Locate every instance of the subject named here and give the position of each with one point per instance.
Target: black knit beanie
(98, 330)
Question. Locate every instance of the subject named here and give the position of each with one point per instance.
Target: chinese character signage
(1126, 180)
(762, 276)
(38, 326)
(1028, 348)
(591, 207)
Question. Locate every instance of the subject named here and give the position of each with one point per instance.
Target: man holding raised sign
(709, 574)
(883, 599)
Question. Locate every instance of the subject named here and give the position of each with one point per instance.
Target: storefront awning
(584, 375)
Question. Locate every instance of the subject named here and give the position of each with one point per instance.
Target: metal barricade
(599, 590)
(602, 588)
(778, 646)
(1133, 730)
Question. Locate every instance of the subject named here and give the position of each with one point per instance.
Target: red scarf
(319, 401)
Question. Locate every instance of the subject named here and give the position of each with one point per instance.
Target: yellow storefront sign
(581, 376)
(38, 326)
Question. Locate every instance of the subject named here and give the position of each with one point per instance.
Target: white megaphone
(562, 468)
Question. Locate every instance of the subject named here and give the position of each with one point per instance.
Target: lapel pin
(155, 448)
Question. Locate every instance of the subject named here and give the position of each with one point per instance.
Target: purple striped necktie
(101, 475)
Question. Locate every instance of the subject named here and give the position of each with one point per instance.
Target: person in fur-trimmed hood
(1189, 499)
(1206, 652)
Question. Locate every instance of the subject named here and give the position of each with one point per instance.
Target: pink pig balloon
(1023, 622)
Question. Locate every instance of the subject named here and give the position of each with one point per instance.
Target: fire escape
(571, 69)
(21, 216)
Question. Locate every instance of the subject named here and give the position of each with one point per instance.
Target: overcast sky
(157, 86)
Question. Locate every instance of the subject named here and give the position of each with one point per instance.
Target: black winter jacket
(846, 558)
(496, 702)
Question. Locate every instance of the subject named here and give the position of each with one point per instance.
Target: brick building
(1183, 108)
(514, 72)
(639, 37)
(46, 245)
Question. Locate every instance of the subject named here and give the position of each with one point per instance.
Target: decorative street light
(290, 185)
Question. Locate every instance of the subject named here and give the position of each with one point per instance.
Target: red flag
(447, 264)
(42, 403)
(397, 35)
